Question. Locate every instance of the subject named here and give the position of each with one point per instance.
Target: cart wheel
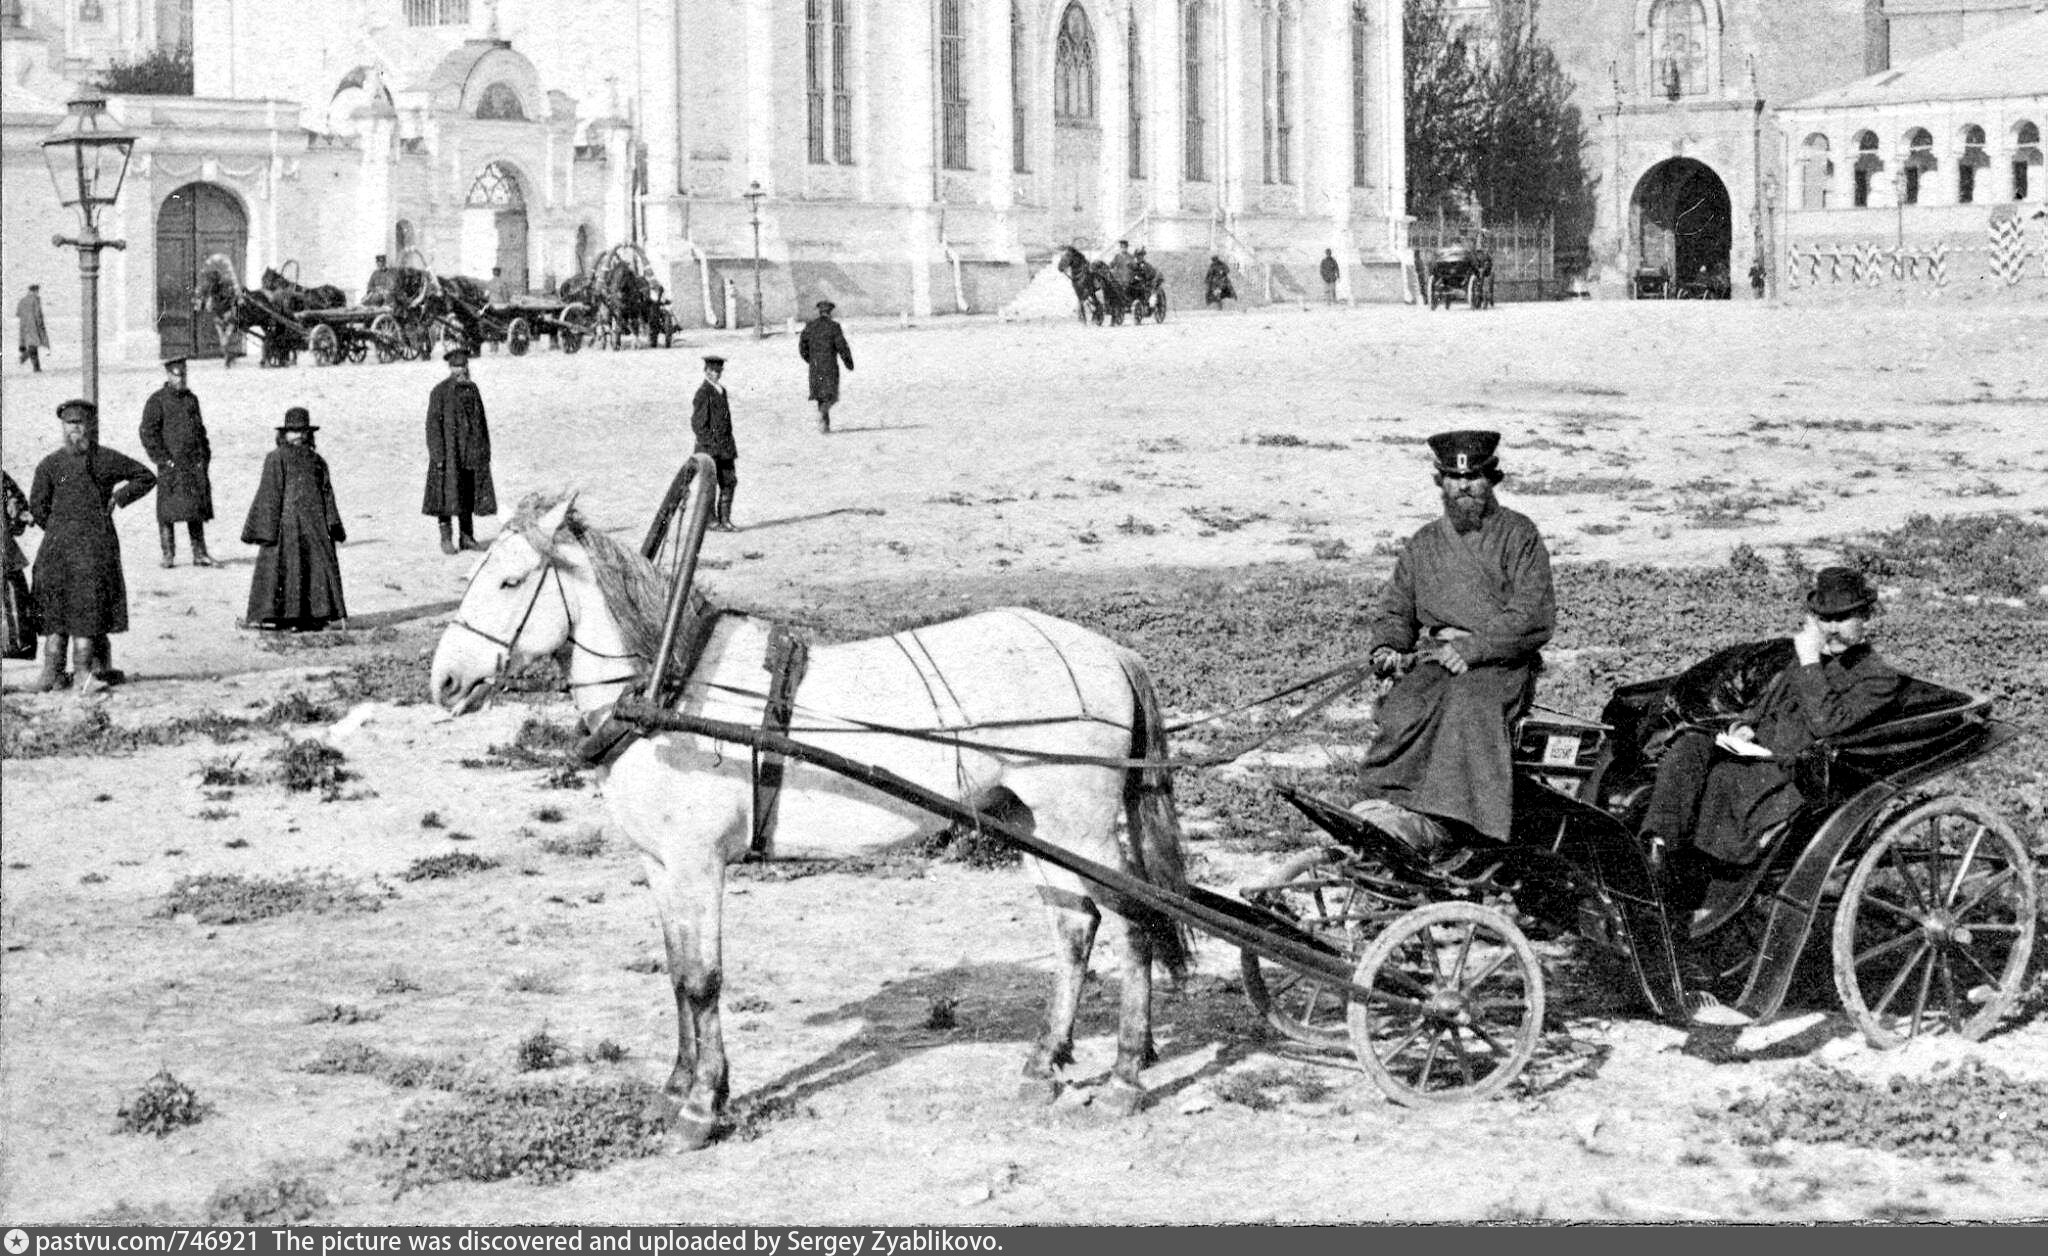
(356, 349)
(1936, 925)
(1316, 892)
(518, 338)
(1159, 306)
(1457, 1005)
(390, 340)
(576, 328)
(326, 348)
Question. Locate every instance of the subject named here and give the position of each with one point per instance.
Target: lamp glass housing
(88, 155)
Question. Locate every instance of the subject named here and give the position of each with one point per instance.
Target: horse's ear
(550, 524)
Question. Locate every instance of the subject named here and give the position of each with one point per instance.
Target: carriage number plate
(1561, 750)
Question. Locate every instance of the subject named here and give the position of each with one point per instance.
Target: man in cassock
(823, 345)
(80, 592)
(1471, 598)
(458, 456)
(297, 585)
(174, 437)
(711, 426)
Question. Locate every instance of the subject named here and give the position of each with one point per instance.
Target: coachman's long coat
(1443, 748)
(823, 345)
(295, 520)
(458, 440)
(174, 437)
(79, 588)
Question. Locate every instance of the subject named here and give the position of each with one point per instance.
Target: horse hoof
(1039, 1090)
(694, 1133)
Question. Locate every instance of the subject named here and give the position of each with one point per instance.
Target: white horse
(553, 584)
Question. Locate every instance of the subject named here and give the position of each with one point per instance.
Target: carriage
(468, 314)
(625, 298)
(1651, 283)
(1461, 274)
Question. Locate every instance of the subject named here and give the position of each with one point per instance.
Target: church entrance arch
(494, 225)
(196, 222)
(1684, 223)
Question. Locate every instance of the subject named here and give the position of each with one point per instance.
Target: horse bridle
(507, 645)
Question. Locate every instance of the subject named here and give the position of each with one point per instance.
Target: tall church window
(500, 104)
(952, 85)
(828, 35)
(173, 23)
(2026, 153)
(10, 14)
(1678, 48)
(437, 12)
(1020, 114)
(1194, 123)
(1919, 159)
(1134, 92)
(1967, 166)
(1816, 169)
(1073, 68)
(1275, 59)
(1868, 163)
(1361, 165)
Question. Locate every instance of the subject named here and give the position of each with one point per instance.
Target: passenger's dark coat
(823, 345)
(711, 422)
(1442, 747)
(79, 588)
(174, 437)
(295, 520)
(18, 624)
(458, 440)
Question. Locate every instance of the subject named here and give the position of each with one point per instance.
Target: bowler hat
(826, 307)
(85, 410)
(456, 357)
(1840, 591)
(297, 419)
(1465, 452)
(712, 359)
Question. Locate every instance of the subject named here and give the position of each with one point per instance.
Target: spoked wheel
(325, 345)
(608, 336)
(1159, 306)
(1457, 1005)
(390, 340)
(518, 338)
(1317, 890)
(356, 349)
(1936, 924)
(576, 328)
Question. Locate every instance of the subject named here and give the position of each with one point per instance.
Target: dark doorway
(196, 222)
(1684, 224)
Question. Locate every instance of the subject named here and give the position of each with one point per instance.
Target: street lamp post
(88, 159)
(754, 195)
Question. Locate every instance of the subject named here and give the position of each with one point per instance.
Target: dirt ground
(1638, 432)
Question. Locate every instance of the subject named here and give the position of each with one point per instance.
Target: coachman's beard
(1468, 511)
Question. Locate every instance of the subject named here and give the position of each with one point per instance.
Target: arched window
(1919, 159)
(1360, 155)
(1275, 62)
(498, 187)
(1194, 86)
(1678, 48)
(1816, 169)
(500, 104)
(1020, 115)
(952, 85)
(1967, 165)
(1868, 163)
(2026, 152)
(1134, 92)
(1073, 68)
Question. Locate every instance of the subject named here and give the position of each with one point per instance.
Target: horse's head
(515, 608)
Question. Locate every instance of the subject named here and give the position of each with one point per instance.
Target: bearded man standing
(174, 437)
(1471, 597)
(80, 592)
(459, 483)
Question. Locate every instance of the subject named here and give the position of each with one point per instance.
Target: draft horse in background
(1087, 299)
(219, 298)
(1030, 718)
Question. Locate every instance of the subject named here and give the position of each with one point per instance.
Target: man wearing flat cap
(81, 595)
(458, 457)
(1471, 599)
(174, 437)
(823, 345)
(711, 424)
(1726, 783)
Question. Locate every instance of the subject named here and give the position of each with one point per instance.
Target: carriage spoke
(1427, 937)
(1948, 989)
(1920, 998)
(1464, 951)
(1421, 1024)
(1479, 1032)
(1978, 964)
(1903, 913)
(1886, 948)
(1429, 1057)
(1963, 868)
(1991, 887)
(1492, 966)
(1899, 865)
(1899, 981)
(1464, 1061)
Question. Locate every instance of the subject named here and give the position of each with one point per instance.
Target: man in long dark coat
(823, 345)
(297, 584)
(35, 337)
(711, 424)
(80, 592)
(1471, 596)
(18, 631)
(458, 456)
(1330, 271)
(174, 437)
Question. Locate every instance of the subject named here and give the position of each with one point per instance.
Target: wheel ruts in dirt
(1317, 890)
(1936, 924)
(1457, 1006)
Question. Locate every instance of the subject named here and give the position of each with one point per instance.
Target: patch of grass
(68, 732)
(281, 1198)
(750, 1118)
(541, 1131)
(1584, 485)
(1969, 1111)
(305, 766)
(296, 708)
(606, 1052)
(942, 1012)
(441, 867)
(341, 1014)
(1134, 526)
(584, 844)
(1287, 440)
(214, 813)
(1330, 549)
(527, 981)
(975, 847)
(397, 981)
(230, 898)
(93, 878)
(404, 1072)
(1989, 555)
(565, 776)
(239, 843)
(224, 771)
(548, 815)
(541, 1050)
(163, 1105)
(645, 964)
(432, 820)
(1223, 518)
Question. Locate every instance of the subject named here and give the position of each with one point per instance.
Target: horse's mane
(633, 588)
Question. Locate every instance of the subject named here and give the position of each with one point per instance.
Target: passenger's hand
(1806, 642)
(1447, 657)
(1384, 659)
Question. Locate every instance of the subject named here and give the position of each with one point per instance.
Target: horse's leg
(689, 897)
(1126, 1090)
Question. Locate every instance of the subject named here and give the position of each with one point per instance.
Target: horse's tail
(1155, 826)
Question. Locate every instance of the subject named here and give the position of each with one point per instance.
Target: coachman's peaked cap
(85, 411)
(1840, 591)
(455, 357)
(1465, 452)
(712, 359)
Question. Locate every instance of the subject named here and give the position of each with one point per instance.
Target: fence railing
(1522, 251)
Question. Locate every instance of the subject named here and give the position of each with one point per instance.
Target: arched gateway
(1682, 221)
(196, 222)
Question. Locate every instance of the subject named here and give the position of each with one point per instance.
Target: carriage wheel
(1317, 891)
(325, 345)
(1936, 925)
(1159, 306)
(518, 338)
(356, 348)
(576, 328)
(390, 340)
(1457, 1005)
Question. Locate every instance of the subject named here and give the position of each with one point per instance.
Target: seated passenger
(1721, 794)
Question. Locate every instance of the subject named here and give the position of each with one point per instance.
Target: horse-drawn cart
(516, 320)
(352, 333)
(1461, 275)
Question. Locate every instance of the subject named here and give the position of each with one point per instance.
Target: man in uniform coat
(79, 590)
(1471, 596)
(711, 424)
(297, 584)
(1330, 271)
(35, 337)
(823, 345)
(174, 437)
(458, 456)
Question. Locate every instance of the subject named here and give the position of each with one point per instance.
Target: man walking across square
(35, 337)
(711, 424)
(458, 457)
(174, 437)
(823, 345)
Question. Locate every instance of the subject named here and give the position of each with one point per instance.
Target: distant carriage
(625, 298)
(466, 313)
(1461, 275)
(1099, 297)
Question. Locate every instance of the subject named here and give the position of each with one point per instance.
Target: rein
(508, 645)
